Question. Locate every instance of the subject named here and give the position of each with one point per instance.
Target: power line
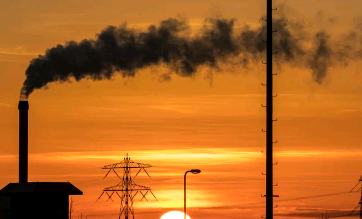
(312, 196)
(301, 198)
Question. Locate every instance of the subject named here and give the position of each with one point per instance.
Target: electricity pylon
(126, 186)
(358, 209)
(359, 206)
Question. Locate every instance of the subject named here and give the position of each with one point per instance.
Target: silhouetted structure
(359, 206)
(358, 209)
(4, 207)
(38, 200)
(269, 112)
(23, 141)
(194, 171)
(126, 187)
(325, 216)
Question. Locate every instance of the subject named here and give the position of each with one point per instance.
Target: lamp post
(194, 171)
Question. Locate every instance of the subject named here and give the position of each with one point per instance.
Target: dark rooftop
(40, 187)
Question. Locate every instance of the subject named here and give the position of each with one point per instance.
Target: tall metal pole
(194, 171)
(269, 113)
(185, 194)
(360, 202)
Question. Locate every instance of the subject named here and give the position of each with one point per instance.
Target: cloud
(347, 110)
(313, 212)
(6, 105)
(199, 156)
(315, 153)
(10, 60)
(176, 108)
(17, 50)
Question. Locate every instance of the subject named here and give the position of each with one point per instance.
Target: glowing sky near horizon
(76, 128)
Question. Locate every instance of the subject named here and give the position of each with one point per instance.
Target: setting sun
(174, 215)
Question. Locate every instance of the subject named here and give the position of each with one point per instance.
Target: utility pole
(269, 112)
(360, 200)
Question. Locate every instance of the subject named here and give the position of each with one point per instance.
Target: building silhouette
(38, 200)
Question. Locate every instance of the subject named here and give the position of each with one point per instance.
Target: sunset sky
(76, 128)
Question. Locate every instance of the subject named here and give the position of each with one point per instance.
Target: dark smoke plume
(321, 58)
(124, 50)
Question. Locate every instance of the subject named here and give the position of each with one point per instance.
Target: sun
(174, 215)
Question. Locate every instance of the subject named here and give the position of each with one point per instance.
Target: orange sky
(76, 128)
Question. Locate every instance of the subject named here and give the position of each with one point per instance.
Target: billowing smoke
(321, 58)
(124, 50)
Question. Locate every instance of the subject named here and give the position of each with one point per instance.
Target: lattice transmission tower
(126, 187)
(358, 208)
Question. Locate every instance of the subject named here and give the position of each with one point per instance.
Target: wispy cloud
(10, 60)
(72, 23)
(175, 108)
(317, 153)
(347, 110)
(6, 105)
(66, 14)
(17, 50)
(199, 156)
(203, 156)
(312, 212)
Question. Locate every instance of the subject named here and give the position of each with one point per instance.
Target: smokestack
(23, 141)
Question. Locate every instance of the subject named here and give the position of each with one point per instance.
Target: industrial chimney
(23, 141)
(41, 200)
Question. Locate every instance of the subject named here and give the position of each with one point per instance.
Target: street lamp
(194, 171)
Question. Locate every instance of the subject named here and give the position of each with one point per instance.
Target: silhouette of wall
(38, 200)
(4, 207)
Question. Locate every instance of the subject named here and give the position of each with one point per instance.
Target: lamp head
(195, 171)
